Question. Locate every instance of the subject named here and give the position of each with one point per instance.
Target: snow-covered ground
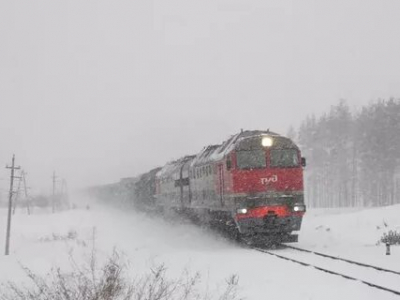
(148, 241)
(353, 234)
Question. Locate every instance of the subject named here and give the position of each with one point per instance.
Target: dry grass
(110, 281)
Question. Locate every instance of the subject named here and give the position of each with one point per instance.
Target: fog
(99, 90)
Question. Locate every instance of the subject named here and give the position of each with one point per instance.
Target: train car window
(284, 158)
(252, 159)
(228, 163)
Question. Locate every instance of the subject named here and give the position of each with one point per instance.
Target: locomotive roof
(173, 166)
(128, 179)
(213, 153)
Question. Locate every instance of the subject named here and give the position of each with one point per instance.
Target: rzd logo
(273, 178)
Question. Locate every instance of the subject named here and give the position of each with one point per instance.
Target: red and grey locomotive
(253, 183)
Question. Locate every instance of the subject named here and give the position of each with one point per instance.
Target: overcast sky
(99, 90)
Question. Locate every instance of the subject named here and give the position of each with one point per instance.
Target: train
(250, 185)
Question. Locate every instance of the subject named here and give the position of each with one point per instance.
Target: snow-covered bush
(391, 238)
(110, 282)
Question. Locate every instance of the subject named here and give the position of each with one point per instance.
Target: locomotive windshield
(284, 158)
(251, 159)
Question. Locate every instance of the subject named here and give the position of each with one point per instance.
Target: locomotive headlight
(267, 141)
(299, 208)
(241, 211)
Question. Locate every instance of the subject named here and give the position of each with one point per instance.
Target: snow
(352, 233)
(39, 242)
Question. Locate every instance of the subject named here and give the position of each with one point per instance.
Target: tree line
(353, 157)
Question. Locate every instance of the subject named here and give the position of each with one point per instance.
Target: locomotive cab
(267, 185)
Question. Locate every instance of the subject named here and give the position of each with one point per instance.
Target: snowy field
(38, 242)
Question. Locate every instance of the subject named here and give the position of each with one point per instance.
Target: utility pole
(54, 193)
(64, 193)
(13, 167)
(22, 181)
(17, 194)
(28, 208)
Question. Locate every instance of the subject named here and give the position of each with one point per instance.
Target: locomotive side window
(228, 163)
(284, 158)
(253, 159)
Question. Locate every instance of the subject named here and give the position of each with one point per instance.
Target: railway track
(341, 259)
(372, 276)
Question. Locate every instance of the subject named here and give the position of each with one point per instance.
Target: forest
(353, 156)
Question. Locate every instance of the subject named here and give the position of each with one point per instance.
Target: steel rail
(329, 271)
(341, 259)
